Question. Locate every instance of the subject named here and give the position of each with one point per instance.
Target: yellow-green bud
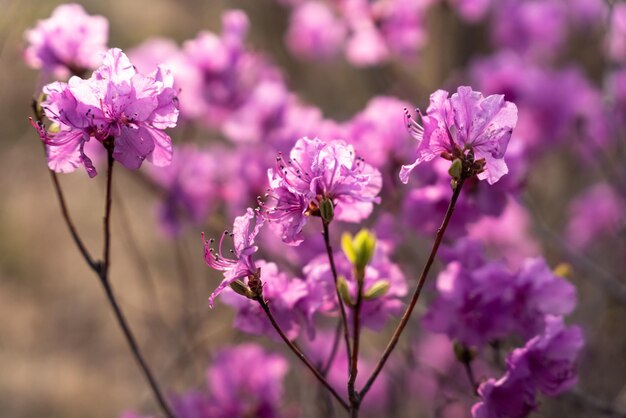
(360, 249)
(456, 169)
(327, 210)
(378, 289)
(344, 292)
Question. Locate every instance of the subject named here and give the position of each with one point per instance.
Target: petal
(132, 146)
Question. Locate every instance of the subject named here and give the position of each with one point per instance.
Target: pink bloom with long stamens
(466, 122)
(242, 265)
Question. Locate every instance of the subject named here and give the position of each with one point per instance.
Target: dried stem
(299, 353)
(407, 313)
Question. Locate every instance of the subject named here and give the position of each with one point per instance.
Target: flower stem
(407, 313)
(333, 351)
(355, 399)
(101, 268)
(299, 353)
(342, 308)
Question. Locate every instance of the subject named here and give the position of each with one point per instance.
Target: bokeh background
(61, 353)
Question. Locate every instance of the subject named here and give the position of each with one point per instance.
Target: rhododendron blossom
(242, 265)
(317, 171)
(69, 42)
(466, 124)
(118, 107)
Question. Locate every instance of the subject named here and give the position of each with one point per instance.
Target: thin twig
(103, 274)
(300, 354)
(407, 313)
(333, 350)
(342, 308)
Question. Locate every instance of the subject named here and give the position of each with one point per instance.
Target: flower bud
(360, 249)
(327, 210)
(456, 169)
(240, 288)
(344, 292)
(378, 289)
(563, 270)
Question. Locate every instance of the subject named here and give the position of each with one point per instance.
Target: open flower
(69, 42)
(465, 126)
(118, 107)
(318, 171)
(242, 265)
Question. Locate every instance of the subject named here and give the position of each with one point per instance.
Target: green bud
(378, 289)
(464, 354)
(359, 250)
(240, 288)
(348, 249)
(327, 210)
(344, 292)
(456, 169)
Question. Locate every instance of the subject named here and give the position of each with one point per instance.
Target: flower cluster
(69, 42)
(118, 107)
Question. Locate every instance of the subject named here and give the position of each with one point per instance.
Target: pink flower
(316, 171)
(117, 107)
(242, 265)
(69, 42)
(315, 32)
(463, 124)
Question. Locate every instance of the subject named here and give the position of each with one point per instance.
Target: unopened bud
(240, 288)
(563, 270)
(378, 289)
(456, 169)
(360, 249)
(344, 292)
(327, 210)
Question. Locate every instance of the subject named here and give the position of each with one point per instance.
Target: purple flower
(316, 171)
(473, 306)
(69, 42)
(242, 265)
(540, 292)
(116, 106)
(315, 32)
(189, 188)
(375, 311)
(480, 301)
(465, 123)
(247, 381)
(222, 73)
(550, 358)
(512, 396)
(283, 294)
(243, 381)
(597, 212)
(531, 27)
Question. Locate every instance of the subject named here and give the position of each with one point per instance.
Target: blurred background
(61, 353)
